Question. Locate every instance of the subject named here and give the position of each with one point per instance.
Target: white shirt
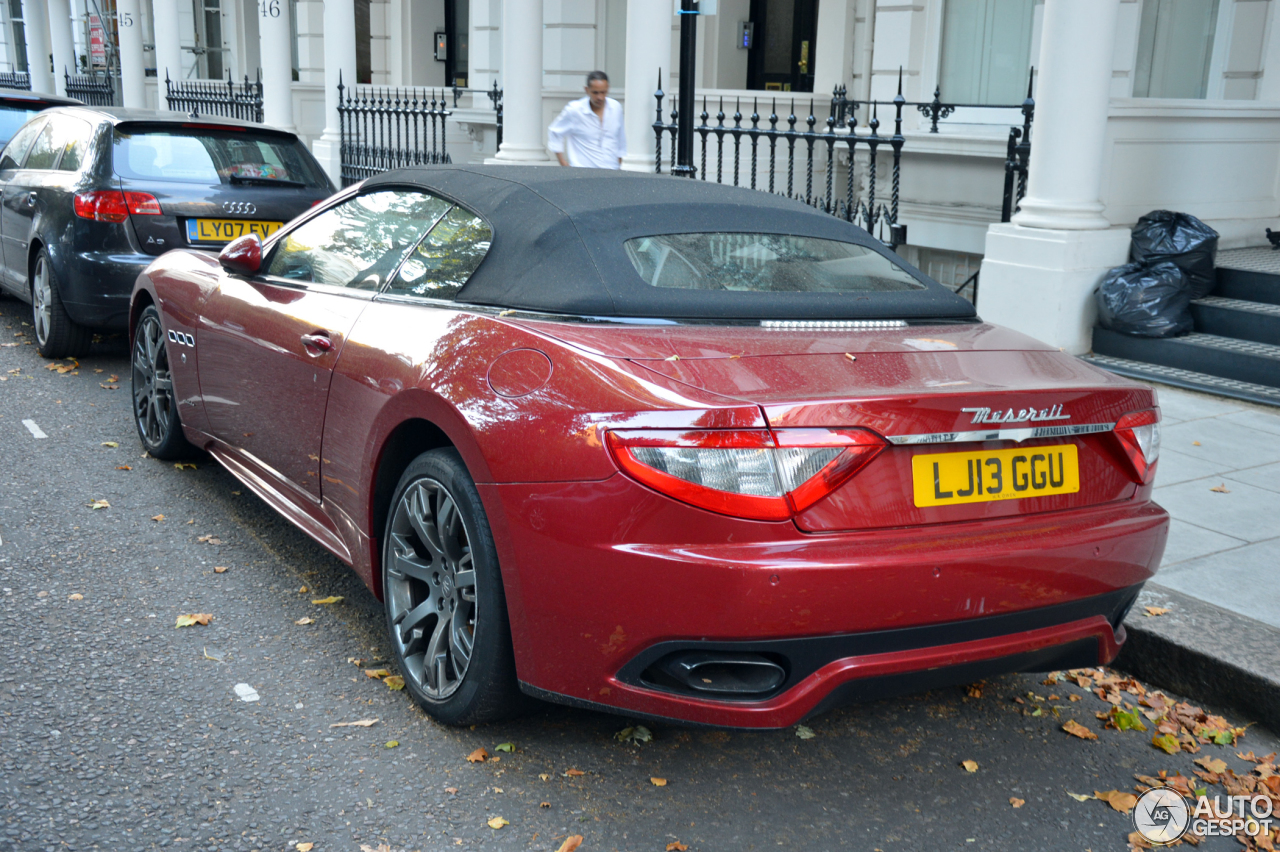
(584, 139)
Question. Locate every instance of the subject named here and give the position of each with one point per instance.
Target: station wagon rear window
(764, 263)
(211, 156)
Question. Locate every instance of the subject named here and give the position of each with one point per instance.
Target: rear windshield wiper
(265, 181)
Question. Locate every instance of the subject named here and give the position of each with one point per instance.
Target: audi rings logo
(1161, 816)
(182, 339)
(240, 208)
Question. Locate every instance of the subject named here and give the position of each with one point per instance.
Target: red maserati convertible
(655, 446)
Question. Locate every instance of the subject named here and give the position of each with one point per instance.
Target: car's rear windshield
(764, 263)
(13, 116)
(210, 156)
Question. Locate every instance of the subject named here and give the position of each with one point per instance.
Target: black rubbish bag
(1163, 235)
(1146, 300)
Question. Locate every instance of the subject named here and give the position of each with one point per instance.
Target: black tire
(57, 335)
(424, 579)
(155, 409)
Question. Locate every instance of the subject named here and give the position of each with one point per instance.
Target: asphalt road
(119, 731)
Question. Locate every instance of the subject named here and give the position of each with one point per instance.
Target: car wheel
(155, 410)
(442, 591)
(57, 336)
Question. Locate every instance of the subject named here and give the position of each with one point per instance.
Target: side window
(74, 136)
(45, 150)
(445, 258)
(360, 242)
(19, 144)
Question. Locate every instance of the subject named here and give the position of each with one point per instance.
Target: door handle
(319, 342)
(31, 199)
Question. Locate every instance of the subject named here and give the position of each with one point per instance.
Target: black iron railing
(384, 128)
(225, 98)
(494, 95)
(774, 154)
(92, 89)
(15, 80)
(1017, 157)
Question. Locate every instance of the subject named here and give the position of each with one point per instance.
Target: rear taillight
(112, 205)
(1139, 434)
(753, 473)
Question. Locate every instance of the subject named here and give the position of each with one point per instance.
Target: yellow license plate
(946, 479)
(226, 230)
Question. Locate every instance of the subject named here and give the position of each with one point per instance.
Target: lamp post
(688, 58)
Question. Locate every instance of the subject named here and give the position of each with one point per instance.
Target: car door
(13, 198)
(268, 343)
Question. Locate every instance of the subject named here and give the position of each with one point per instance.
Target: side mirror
(243, 255)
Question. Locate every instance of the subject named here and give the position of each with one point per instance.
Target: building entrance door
(781, 57)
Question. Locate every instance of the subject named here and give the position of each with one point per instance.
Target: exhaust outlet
(723, 674)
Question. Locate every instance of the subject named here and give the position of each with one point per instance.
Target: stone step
(1239, 318)
(1188, 379)
(1226, 357)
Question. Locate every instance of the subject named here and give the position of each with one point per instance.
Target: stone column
(276, 49)
(648, 53)
(64, 49)
(132, 64)
(35, 20)
(339, 61)
(164, 18)
(523, 131)
(1039, 271)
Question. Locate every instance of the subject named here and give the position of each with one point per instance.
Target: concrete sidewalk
(1220, 578)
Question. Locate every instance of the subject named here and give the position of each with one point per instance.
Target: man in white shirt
(589, 132)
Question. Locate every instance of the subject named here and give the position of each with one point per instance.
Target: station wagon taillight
(112, 205)
(1139, 434)
(748, 473)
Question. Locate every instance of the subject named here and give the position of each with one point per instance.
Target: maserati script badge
(1022, 415)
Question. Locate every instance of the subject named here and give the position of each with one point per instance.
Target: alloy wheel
(431, 589)
(152, 384)
(42, 301)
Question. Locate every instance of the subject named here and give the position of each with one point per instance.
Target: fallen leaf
(394, 682)
(1121, 801)
(1016, 802)
(304, 847)
(1155, 610)
(187, 465)
(804, 732)
(451, 789)
(99, 504)
(1195, 443)
(112, 444)
(220, 569)
(302, 591)
(478, 756)
(574, 773)
(360, 723)
(75, 597)
(634, 734)
(497, 822)
(505, 747)
(1137, 841)
(545, 776)
(1221, 489)
(572, 842)
(305, 620)
(1075, 729)
(108, 387)
(392, 744)
(377, 673)
(969, 765)
(332, 599)
(1075, 698)
(193, 619)
(123, 467)
(157, 518)
(1167, 743)
(1125, 720)
(497, 789)
(658, 782)
(1212, 764)
(672, 358)
(974, 690)
(544, 804)
(1079, 797)
(676, 846)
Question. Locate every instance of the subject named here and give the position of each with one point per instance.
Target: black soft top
(558, 237)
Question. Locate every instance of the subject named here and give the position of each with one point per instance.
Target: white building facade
(1140, 104)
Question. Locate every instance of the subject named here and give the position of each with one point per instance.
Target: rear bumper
(97, 287)
(605, 578)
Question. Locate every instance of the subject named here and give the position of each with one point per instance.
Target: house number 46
(269, 8)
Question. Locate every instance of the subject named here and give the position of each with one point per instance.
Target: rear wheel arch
(141, 302)
(405, 443)
(33, 251)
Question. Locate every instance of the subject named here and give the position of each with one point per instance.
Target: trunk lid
(972, 389)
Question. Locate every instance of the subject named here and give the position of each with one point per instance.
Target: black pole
(688, 57)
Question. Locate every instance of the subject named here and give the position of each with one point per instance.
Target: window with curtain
(986, 51)
(1175, 45)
